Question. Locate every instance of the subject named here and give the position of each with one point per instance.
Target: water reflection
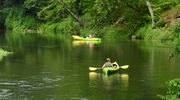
(109, 81)
(114, 79)
(89, 43)
(93, 79)
(125, 79)
(93, 75)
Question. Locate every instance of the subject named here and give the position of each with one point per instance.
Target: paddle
(95, 68)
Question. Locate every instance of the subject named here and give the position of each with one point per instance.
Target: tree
(67, 7)
(151, 12)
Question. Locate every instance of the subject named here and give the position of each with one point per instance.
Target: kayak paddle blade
(92, 68)
(124, 66)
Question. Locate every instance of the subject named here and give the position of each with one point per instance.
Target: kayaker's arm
(103, 66)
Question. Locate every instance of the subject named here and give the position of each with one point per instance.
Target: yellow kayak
(85, 39)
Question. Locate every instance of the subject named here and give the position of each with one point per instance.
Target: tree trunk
(81, 23)
(75, 17)
(151, 12)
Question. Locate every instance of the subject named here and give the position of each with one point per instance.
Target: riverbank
(167, 28)
(30, 25)
(47, 16)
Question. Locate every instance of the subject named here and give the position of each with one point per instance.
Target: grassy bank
(163, 34)
(167, 27)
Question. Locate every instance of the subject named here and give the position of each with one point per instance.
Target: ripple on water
(4, 93)
(3, 90)
(8, 83)
(22, 82)
(49, 80)
(76, 98)
(24, 85)
(51, 86)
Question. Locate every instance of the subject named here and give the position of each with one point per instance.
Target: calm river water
(42, 68)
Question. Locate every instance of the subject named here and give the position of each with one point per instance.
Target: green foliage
(14, 18)
(55, 10)
(94, 13)
(175, 28)
(17, 21)
(173, 92)
(174, 33)
(3, 53)
(113, 32)
(66, 26)
(161, 22)
(109, 12)
(162, 5)
(153, 34)
(29, 22)
(85, 6)
(30, 4)
(50, 12)
(176, 51)
(159, 7)
(106, 32)
(86, 32)
(32, 7)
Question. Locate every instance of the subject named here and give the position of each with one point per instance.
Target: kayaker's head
(108, 59)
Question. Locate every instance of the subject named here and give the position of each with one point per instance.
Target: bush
(29, 22)
(161, 22)
(152, 34)
(68, 25)
(87, 31)
(175, 28)
(17, 21)
(173, 92)
(113, 32)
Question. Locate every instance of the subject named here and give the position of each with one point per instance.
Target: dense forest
(146, 19)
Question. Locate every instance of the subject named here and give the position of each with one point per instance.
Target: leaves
(30, 4)
(173, 92)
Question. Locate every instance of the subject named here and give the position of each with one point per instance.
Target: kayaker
(107, 63)
(91, 36)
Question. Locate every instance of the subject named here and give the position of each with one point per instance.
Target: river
(42, 68)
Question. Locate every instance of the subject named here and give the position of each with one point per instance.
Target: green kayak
(110, 70)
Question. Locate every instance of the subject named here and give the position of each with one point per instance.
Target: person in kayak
(107, 63)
